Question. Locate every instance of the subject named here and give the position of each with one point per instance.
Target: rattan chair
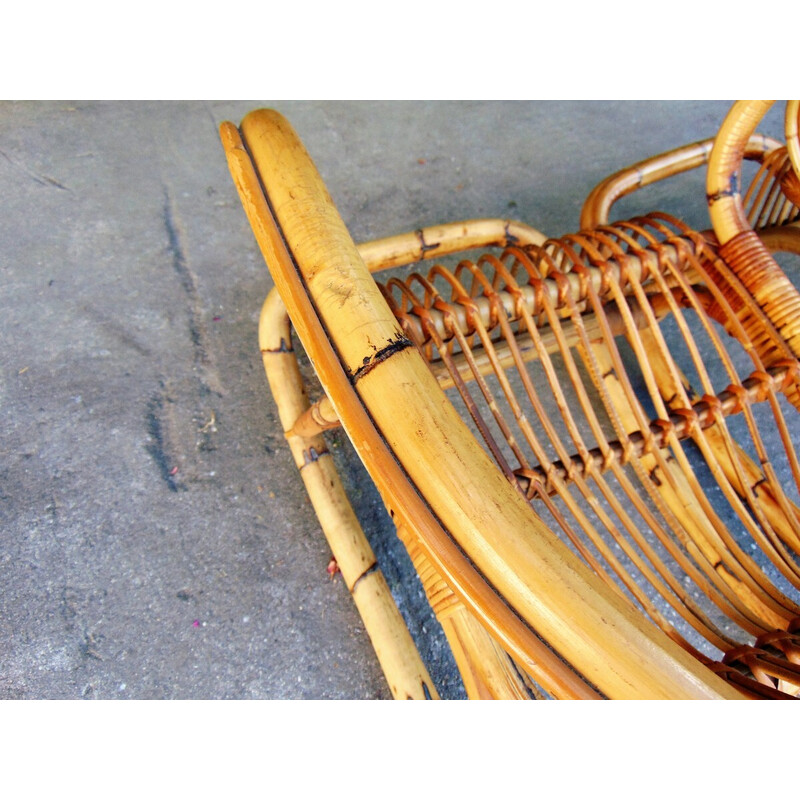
(585, 443)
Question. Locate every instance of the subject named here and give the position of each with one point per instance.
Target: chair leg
(404, 670)
(486, 669)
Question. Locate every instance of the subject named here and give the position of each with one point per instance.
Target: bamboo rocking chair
(586, 444)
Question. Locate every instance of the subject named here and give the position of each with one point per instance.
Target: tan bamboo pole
(723, 181)
(404, 670)
(437, 241)
(597, 208)
(447, 558)
(551, 590)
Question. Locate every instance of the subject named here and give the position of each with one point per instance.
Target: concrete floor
(156, 541)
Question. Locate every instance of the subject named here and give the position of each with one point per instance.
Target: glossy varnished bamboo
(447, 558)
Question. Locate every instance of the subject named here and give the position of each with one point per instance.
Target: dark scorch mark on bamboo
(370, 362)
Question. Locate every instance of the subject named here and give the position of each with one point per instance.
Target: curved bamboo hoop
(724, 166)
(415, 446)
(597, 207)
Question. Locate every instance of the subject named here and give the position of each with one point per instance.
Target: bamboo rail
(405, 672)
(597, 207)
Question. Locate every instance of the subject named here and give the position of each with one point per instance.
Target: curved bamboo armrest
(478, 532)
(597, 208)
(443, 240)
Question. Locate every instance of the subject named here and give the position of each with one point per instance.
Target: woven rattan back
(618, 430)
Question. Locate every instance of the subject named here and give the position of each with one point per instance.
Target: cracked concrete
(156, 539)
